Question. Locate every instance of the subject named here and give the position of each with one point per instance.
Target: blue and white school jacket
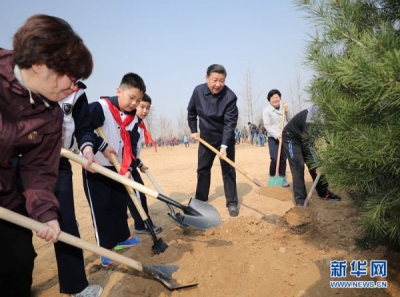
(77, 122)
(102, 117)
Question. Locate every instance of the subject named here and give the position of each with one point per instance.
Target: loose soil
(270, 249)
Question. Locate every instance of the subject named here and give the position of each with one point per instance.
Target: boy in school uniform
(144, 138)
(76, 125)
(107, 198)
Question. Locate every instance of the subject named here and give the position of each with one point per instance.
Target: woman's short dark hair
(50, 40)
(272, 93)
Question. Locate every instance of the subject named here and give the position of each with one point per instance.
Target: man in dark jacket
(298, 143)
(215, 106)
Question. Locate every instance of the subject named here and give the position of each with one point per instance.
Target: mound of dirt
(298, 217)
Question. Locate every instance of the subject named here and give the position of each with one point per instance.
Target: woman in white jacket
(272, 117)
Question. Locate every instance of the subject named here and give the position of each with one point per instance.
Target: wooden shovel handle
(33, 225)
(313, 186)
(278, 157)
(131, 193)
(110, 174)
(230, 162)
(154, 182)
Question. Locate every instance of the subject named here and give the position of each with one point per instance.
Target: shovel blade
(164, 274)
(197, 214)
(177, 217)
(201, 215)
(276, 181)
(159, 246)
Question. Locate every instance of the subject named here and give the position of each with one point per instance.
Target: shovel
(230, 162)
(162, 273)
(154, 182)
(278, 180)
(278, 192)
(159, 245)
(274, 188)
(172, 214)
(314, 185)
(197, 214)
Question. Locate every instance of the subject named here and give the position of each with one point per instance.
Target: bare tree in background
(182, 125)
(241, 122)
(164, 128)
(248, 97)
(297, 94)
(150, 122)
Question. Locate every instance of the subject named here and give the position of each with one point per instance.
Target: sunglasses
(73, 79)
(77, 82)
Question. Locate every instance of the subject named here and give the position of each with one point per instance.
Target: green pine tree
(355, 55)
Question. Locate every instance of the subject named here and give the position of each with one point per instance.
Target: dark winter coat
(218, 115)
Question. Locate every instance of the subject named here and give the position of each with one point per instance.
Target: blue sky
(171, 44)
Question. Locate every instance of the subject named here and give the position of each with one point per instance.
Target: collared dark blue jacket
(218, 115)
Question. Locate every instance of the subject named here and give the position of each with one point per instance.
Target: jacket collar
(7, 72)
(207, 91)
(273, 109)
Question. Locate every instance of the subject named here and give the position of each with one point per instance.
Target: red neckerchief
(147, 135)
(127, 151)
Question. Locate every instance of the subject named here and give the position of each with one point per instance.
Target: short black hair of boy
(216, 68)
(133, 80)
(272, 93)
(146, 98)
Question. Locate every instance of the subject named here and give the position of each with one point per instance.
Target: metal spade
(197, 214)
(161, 272)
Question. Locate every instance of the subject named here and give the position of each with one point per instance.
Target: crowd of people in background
(241, 137)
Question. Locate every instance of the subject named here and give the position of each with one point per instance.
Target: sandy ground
(265, 251)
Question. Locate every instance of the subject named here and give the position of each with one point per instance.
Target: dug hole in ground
(265, 251)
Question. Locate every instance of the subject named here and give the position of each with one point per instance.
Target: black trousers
(205, 161)
(298, 155)
(17, 259)
(70, 262)
(139, 224)
(108, 202)
(273, 146)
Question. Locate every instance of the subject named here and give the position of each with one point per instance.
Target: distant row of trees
(164, 129)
